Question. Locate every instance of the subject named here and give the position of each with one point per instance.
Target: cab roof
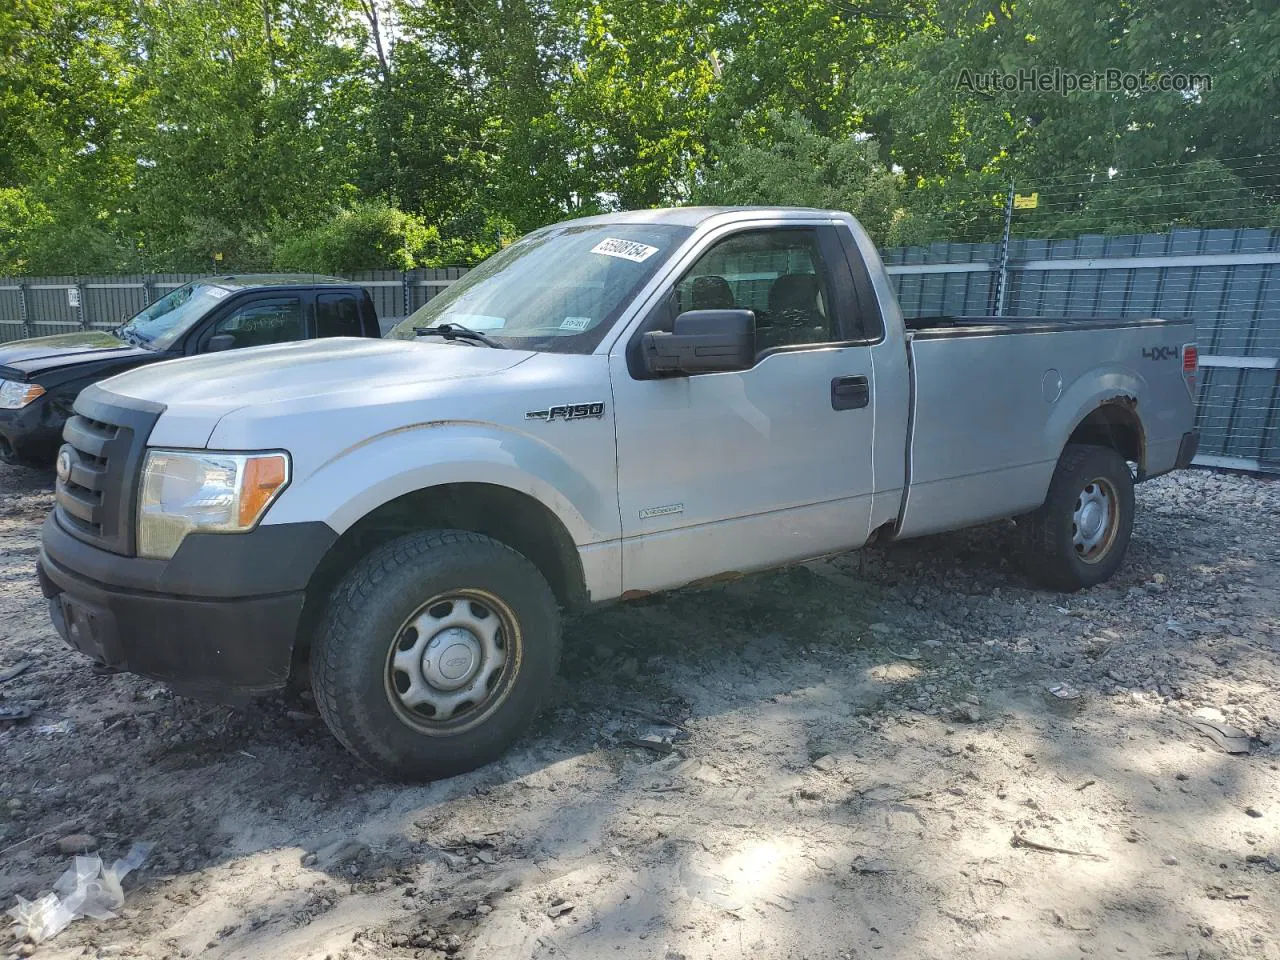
(246, 280)
(694, 216)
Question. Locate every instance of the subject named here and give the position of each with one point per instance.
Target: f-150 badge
(568, 411)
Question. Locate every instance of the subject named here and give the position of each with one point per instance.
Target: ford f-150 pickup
(606, 408)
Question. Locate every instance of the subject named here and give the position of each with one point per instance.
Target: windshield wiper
(123, 332)
(456, 331)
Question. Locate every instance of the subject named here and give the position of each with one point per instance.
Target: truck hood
(31, 357)
(223, 382)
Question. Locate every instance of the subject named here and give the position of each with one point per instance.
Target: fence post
(146, 290)
(28, 328)
(406, 292)
(75, 285)
(1002, 278)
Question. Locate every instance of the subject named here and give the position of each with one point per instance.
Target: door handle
(850, 393)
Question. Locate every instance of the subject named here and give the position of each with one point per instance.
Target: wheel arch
(1114, 423)
(511, 517)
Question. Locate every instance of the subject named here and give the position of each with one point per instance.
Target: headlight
(15, 395)
(190, 492)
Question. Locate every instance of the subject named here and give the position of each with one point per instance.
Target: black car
(40, 378)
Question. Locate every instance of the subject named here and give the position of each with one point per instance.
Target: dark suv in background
(41, 378)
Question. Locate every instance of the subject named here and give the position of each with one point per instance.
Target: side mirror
(702, 341)
(219, 342)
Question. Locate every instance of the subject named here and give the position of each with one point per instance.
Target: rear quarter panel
(994, 409)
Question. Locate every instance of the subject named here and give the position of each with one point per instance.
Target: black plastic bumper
(204, 640)
(1187, 449)
(33, 433)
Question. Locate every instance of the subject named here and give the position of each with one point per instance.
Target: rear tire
(1078, 538)
(435, 653)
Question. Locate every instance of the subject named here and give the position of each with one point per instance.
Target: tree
(919, 108)
(369, 236)
(795, 165)
(637, 99)
(142, 134)
(242, 136)
(69, 116)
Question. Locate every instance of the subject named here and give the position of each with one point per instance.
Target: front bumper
(32, 433)
(219, 621)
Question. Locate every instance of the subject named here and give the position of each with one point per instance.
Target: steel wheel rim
(451, 663)
(1095, 520)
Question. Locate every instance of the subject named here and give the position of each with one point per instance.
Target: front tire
(434, 654)
(1078, 538)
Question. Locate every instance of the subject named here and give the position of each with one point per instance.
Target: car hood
(234, 379)
(30, 357)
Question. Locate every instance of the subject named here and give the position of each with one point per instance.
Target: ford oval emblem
(63, 465)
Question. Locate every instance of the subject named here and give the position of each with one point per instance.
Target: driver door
(735, 471)
(256, 322)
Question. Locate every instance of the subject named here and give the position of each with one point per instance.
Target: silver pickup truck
(606, 408)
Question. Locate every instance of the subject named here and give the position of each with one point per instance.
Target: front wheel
(1079, 536)
(434, 654)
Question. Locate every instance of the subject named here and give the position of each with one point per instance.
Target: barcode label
(624, 249)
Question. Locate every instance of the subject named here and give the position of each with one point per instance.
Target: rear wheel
(435, 653)
(1079, 536)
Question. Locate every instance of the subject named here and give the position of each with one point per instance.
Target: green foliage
(369, 236)
(787, 162)
(966, 207)
(915, 105)
(21, 223)
(151, 134)
(1201, 194)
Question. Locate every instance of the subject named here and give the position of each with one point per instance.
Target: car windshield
(160, 324)
(559, 289)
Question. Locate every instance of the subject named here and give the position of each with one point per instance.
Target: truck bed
(994, 400)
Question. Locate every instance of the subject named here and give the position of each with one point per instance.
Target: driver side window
(775, 273)
(278, 320)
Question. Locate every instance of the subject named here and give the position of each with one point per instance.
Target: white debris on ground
(86, 889)
(902, 753)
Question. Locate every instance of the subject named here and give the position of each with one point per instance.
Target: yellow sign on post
(217, 257)
(1027, 201)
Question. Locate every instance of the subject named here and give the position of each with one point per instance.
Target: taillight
(1190, 361)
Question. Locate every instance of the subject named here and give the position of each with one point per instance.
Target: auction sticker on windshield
(624, 249)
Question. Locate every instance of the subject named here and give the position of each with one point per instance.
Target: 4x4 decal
(1160, 353)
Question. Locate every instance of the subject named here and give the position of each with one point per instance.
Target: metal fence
(1227, 281)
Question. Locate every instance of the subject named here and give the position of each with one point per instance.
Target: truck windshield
(160, 324)
(559, 289)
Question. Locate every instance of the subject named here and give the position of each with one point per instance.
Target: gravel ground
(874, 767)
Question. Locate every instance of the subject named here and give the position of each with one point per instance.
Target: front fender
(1087, 394)
(363, 477)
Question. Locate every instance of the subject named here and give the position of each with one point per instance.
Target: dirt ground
(874, 767)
